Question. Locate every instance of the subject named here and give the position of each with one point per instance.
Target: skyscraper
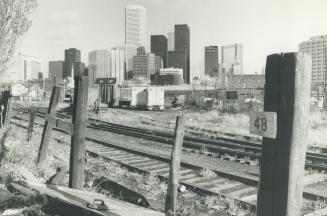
(72, 55)
(56, 69)
(211, 61)
(144, 66)
(72, 59)
(99, 65)
(135, 25)
(117, 61)
(232, 58)
(182, 44)
(24, 67)
(171, 41)
(130, 52)
(159, 47)
(178, 59)
(316, 47)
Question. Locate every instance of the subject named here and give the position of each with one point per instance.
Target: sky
(263, 27)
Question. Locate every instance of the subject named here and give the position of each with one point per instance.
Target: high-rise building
(130, 52)
(56, 69)
(178, 59)
(99, 65)
(72, 55)
(117, 62)
(232, 58)
(159, 47)
(24, 67)
(144, 66)
(316, 47)
(211, 61)
(182, 44)
(171, 41)
(135, 25)
(158, 64)
(72, 59)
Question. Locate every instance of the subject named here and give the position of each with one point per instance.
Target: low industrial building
(168, 76)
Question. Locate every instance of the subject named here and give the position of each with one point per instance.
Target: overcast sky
(262, 26)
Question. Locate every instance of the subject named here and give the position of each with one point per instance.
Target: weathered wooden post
(287, 92)
(77, 152)
(7, 103)
(31, 124)
(48, 126)
(171, 197)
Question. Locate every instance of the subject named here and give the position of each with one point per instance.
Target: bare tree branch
(14, 22)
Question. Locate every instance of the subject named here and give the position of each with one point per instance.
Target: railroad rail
(240, 188)
(248, 152)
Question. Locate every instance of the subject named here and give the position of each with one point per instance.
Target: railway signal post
(77, 151)
(171, 197)
(287, 93)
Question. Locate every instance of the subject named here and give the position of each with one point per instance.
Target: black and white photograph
(163, 107)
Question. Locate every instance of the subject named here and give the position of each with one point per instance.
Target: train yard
(221, 166)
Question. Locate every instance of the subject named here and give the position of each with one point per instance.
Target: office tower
(117, 62)
(159, 47)
(211, 61)
(72, 59)
(56, 69)
(24, 67)
(99, 65)
(144, 66)
(171, 41)
(178, 59)
(182, 44)
(316, 48)
(130, 52)
(135, 25)
(232, 58)
(158, 64)
(72, 55)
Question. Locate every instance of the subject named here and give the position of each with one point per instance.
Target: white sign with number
(263, 124)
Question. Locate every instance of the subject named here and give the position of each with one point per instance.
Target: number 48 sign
(263, 124)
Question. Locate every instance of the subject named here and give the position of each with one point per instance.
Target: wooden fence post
(287, 92)
(171, 197)
(6, 113)
(31, 125)
(48, 126)
(77, 151)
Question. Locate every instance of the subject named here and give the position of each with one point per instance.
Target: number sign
(263, 124)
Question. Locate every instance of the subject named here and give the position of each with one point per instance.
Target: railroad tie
(248, 191)
(211, 183)
(155, 168)
(136, 160)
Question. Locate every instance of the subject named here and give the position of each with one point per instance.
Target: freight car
(134, 97)
(150, 98)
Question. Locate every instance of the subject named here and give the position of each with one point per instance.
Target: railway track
(241, 189)
(248, 152)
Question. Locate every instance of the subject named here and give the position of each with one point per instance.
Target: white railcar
(155, 98)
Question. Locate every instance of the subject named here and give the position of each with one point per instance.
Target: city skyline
(282, 26)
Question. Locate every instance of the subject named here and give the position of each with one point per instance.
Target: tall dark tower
(182, 43)
(211, 61)
(159, 47)
(72, 55)
(72, 59)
